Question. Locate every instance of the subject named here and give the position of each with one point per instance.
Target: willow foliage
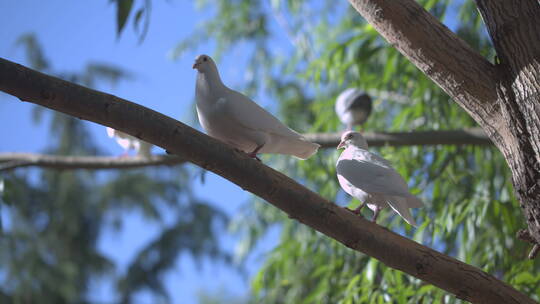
(470, 212)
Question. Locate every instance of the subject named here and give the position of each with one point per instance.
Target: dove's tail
(400, 205)
(302, 148)
(414, 202)
(297, 146)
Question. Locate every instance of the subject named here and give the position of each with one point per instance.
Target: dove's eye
(204, 59)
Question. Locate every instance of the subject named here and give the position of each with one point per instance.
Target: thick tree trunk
(504, 98)
(514, 27)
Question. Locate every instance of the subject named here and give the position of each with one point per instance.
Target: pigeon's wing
(249, 114)
(412, 201)
(344, 101)
(360, 100)
(372, 176)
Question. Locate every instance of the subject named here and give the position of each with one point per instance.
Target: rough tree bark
(503, 98)
(465, 281)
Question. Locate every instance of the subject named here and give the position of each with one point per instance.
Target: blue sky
(74, 33)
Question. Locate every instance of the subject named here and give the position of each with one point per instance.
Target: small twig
(9, 161)
(524, 235)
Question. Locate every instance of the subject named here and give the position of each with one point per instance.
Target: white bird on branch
(353, 107)
(372, 180)
(235, 119)
(128, 142)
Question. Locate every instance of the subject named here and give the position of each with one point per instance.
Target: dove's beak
(341, 145)
(195, 65)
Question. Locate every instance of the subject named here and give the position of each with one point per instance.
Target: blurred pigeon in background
(128, 142)
(235, 119)
(372, 180)
(353, 107)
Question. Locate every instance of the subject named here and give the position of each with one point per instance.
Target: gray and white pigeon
(372, 180)
(353, 107)
(235, 119)
(128, 142)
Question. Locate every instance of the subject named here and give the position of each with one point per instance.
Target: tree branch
(10, 161)
(445, 58)
(504, 98)
(474, 136)
(514, 29)
(465, 281)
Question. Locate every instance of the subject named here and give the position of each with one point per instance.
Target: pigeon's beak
(341, 145)
(195, 65)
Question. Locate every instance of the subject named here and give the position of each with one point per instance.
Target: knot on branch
(47, 95)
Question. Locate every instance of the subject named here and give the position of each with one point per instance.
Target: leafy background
(294, 57)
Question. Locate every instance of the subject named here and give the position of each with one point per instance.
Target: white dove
(235, 119)
(128, 142)
(353, 107)
(372, 180)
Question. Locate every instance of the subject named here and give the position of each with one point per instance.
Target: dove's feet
(356, 211)
(253, 154)
(376, 214)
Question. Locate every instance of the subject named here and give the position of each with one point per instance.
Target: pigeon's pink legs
(357, 210)
(253, 154)
(377, 210)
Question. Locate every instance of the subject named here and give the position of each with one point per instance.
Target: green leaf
(137, 18)
(123, 9)
(525, 278)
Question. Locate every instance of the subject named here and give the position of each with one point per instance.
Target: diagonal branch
(463, 280)
(9, 161)
(445, 58)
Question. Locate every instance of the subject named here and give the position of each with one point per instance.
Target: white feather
(353, 107)
(233, 118)
(128, 142)
(371, 179)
